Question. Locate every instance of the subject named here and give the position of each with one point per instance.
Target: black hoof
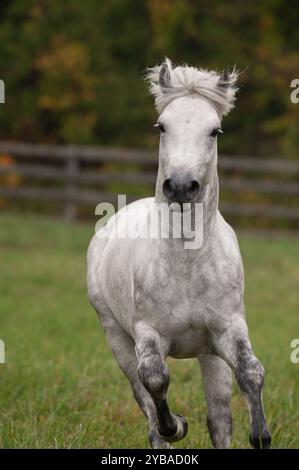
(181, 430)
(260, 441)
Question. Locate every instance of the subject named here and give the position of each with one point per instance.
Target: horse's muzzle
(179, 190)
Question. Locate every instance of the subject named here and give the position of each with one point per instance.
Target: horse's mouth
(180, 206)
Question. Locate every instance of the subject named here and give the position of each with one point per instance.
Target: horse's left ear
(227, 88)
(227, 79)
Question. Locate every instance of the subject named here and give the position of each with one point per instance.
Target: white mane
(168, 83)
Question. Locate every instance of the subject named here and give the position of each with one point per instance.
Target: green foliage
(73, 70)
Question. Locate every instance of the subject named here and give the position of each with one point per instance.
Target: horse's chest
(176, 302)
(182, 287)
(182, 303)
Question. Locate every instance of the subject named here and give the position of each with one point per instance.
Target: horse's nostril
(192, 188)
(180, 191)
(168, 188)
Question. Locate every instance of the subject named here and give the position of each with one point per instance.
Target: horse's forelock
(168, 83)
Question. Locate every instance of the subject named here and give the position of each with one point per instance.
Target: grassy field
(61, 386)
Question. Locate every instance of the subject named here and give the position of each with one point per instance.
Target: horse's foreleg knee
(234, 347)
(250, 375)
(153, 374)
(153, 371)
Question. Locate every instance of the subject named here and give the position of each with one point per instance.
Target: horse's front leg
(153, 374)
(234, 347)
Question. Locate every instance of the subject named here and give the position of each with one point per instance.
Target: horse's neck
(210, 205)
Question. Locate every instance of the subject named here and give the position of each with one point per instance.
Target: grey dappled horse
(155, 298)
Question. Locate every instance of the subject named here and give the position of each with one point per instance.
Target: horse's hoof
(156, 442)
(181, 430)
(260, 441)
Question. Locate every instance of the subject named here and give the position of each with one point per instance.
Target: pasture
(61, 387)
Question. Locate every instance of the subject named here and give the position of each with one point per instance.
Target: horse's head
(190, 103)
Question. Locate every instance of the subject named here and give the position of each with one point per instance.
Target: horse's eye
(216, 131)
(160, 127)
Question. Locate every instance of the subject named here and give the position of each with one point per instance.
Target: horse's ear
(227, 88)
(164, 75)
(227, 79)
(223, 81)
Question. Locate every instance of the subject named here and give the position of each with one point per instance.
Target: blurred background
(76, 129)
(74, 75)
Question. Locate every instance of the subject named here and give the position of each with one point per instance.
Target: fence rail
(74, 167)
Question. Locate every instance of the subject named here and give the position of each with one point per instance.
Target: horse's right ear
(160, 79)
(164, 75)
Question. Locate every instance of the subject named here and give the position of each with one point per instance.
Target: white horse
(155, 298)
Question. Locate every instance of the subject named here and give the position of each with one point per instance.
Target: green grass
(61, 386)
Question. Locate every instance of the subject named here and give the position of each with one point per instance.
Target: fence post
(72, 172)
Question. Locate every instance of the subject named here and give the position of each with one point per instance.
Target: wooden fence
(77, 176)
